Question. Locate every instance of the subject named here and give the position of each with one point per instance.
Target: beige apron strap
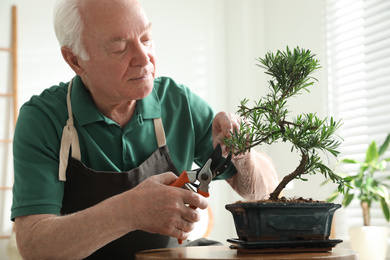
(160, 134)
(69, 139)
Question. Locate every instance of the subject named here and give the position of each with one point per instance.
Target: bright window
(358, 41)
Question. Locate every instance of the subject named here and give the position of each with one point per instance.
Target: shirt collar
(85, 111)
(150, 106)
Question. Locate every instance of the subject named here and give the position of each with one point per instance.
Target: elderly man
(92, 166)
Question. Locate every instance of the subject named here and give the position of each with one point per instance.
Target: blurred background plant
(370, 183)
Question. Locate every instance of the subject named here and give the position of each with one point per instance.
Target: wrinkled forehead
(105, 13)
(92, 6)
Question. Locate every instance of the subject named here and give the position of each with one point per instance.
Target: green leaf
(383, 192)
(383, 147)
(372, 154)
(385, 209)
(382, 165)
(368, 184)
(347, 199)
(359, 183)
(350, 161)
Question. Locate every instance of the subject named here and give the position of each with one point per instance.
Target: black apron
(85, 187)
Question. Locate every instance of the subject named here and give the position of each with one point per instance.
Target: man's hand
(256, 176)
(158, 208)
(223, 124)
(152, 206)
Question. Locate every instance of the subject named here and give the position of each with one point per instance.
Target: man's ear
(72, 60)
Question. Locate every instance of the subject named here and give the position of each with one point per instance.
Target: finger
(231, 124)
(180, 229)
(165, 178)
(179, 234)
(185, 226)
(195, 199)
(223, 123)
(191, 215)
(236, 121)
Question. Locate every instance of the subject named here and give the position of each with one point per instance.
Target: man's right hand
(152, 206)
(156, 207)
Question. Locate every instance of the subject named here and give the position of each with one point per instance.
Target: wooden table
(224, 252)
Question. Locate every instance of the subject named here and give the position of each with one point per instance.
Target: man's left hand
(256, 176)
(223, 124)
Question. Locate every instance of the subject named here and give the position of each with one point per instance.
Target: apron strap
(160, 134)
(69, 139)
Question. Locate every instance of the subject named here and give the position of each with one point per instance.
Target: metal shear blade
(223, 167)
(216, 157)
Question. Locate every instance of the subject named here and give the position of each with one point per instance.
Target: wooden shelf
(13, 50)
(6, 95)
(14, 89)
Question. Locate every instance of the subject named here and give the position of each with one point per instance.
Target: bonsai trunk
(366, 212)
(299, 170)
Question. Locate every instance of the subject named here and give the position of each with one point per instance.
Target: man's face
(118, 39)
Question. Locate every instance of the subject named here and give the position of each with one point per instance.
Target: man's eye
(120, 51)
(147, 40)
(117, 47)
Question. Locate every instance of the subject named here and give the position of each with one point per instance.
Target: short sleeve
(37, 189)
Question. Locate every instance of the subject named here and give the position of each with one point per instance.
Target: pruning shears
(202, 177)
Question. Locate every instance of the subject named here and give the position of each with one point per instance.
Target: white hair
(69, 27)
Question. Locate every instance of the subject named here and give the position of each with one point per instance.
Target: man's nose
(140, 55)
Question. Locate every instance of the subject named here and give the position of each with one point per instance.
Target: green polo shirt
(104, 145)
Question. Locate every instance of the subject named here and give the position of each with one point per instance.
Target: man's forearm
(256, 177)
(73, 236)
(152, 206)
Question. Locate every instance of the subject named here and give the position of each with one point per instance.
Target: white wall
(210, 45)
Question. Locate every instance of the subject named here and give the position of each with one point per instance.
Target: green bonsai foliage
(267, 121)
(370, 182)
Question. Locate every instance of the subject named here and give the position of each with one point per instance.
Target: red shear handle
(179, 182)
(203, 193)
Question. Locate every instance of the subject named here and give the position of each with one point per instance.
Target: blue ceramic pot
(282, 221)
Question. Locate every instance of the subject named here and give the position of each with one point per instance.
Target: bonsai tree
(369, 183)
(267, 121)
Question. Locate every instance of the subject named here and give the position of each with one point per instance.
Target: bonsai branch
(299, 170)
